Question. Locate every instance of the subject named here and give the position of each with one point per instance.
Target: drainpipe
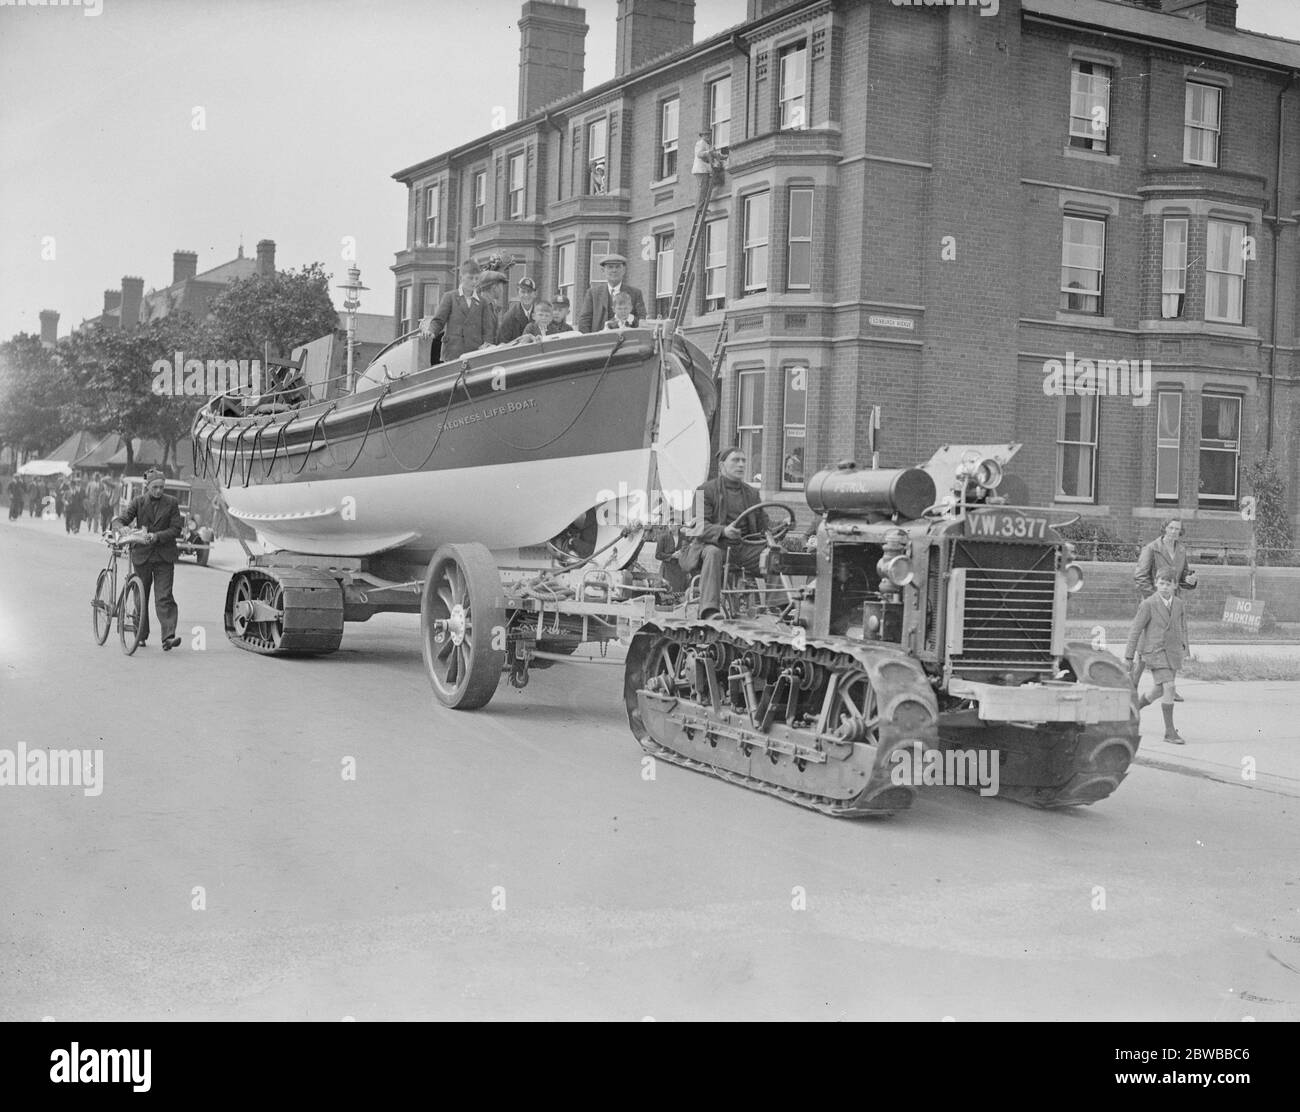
(1277, 241)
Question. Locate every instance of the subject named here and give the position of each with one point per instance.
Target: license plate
(1004, 526)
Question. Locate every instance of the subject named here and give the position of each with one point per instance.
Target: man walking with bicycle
(155, 561)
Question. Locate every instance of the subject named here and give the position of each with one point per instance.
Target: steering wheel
(772, 535)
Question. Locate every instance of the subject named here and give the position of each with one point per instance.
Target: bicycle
(126, 607)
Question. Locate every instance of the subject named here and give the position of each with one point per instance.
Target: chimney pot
(112, 299)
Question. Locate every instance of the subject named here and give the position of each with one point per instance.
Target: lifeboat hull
(505, 447)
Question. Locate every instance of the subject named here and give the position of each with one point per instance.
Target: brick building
(189, 291)
(933, 210)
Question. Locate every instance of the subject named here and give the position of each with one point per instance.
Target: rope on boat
(590, 398)
(451, 397)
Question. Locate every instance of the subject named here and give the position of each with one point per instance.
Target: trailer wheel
(462, 623)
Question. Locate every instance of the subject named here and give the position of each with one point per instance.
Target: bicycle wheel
(130, 614)
(101, 606)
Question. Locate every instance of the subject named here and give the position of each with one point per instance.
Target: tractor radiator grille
(1007, 621)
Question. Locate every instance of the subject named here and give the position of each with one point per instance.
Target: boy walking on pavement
(1159, 633)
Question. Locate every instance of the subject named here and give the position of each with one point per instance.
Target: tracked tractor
(922, 629)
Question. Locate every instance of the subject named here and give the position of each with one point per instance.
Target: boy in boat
(543, 323)
(517, 318)
(622, 310)
(465, 319)
(560, 314)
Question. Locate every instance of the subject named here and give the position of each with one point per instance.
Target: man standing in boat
(464, 319)
(520, 314)
(598, 302)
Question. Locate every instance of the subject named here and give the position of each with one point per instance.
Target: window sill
(662, 182)
(1087, 509)
(1185, 327)
(1084, 319)
(1091, 156)
(1201, 165)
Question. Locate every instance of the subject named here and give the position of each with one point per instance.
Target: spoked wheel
(272, 630)
(101, 612)
(462, 626)
(854, 712)
(130, 615)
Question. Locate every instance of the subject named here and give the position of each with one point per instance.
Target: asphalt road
(515, 862)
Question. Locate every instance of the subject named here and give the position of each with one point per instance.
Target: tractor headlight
(1073, 577)
(988, 474)
(897, 569)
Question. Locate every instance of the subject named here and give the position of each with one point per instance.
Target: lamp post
(351, 304)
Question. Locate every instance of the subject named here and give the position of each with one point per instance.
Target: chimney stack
(651, 28)
(132, 295)
(49, 327)
(759, 8)
(265, 258)
(112, 299)
(185, 264)
(1213, 13)
(552, 53)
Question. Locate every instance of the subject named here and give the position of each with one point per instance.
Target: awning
(46, 467)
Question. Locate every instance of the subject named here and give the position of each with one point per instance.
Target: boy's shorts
(1158, 665)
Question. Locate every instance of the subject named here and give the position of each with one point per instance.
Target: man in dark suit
(155, 560)
(598, 302)
(465, 320)
(519, 316)
(725, 499)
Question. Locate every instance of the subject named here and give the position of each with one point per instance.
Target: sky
(307, 109)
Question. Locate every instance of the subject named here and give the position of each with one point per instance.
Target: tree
(281, 310)
(1272, 520)
(34, 389)
(111, 374)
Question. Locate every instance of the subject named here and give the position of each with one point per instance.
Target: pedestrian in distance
(1166, 553)
(159, 514)
(1159, 634)
(107, 496)
(16, 494)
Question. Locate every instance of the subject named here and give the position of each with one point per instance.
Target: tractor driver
(725, 499)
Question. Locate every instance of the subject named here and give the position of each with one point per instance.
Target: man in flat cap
(520, 313)
(598, 302)
(159, 514)
(464, 318)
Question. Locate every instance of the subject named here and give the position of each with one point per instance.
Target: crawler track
(300, 612)
(812, 723)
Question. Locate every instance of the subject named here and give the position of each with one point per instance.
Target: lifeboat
(506, 446)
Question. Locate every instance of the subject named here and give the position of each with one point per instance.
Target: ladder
(715, 420)
(686, 276)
